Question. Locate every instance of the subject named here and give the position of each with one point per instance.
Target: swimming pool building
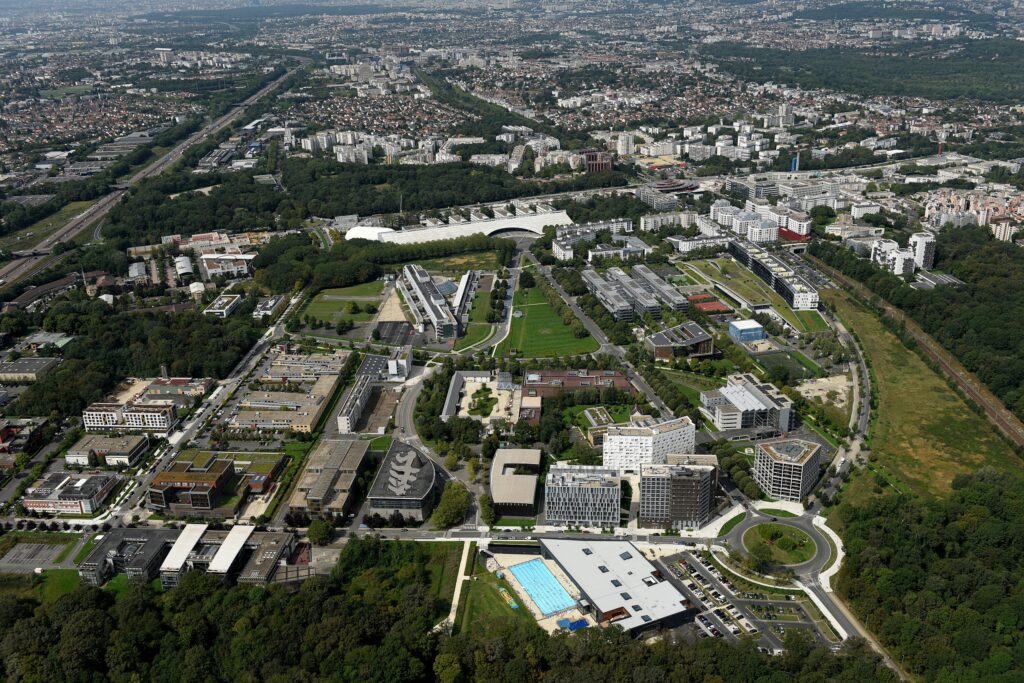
(617, 584)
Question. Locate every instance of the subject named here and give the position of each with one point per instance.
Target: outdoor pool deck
(544, 589)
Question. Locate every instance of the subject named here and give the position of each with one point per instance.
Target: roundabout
(779, 544)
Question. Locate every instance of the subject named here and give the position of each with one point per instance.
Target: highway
(41, 255)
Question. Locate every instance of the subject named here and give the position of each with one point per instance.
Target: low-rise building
(328, 476)
(353, 403)
(744, 331)
(114, 451)
(747, 403)
(688, 339)
(28, 369)
(70, 493)
(224, 305)
(513, 481)
(137, 553)
(407, 482)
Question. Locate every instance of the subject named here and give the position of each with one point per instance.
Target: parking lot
(31, 554)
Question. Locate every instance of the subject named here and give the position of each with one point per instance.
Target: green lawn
(332, 305)
(381, 443)
(486, 260)
(525, 297)
(923, 433)
(788, 545)
(481, 307)
(28, 238)
(65, 91)
(57, 582)
(118, 585)
(691, 384)
(747, 285)
(777, 513)
(516, 521)
(812, 321)
(799, 365)
(475, 333)
(731, 524)
(444, 569)
(540, 333)
(482, 605)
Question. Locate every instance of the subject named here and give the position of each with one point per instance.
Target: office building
(248, 556)
(638, 442)
(513, 481)
(70, 493)
(799, 294)
(787, 469)
(275, 411)
(747, 403)
(618, 586)
(137, 553)
(546, 383)
(197, 487)
(582, 495)
(610, 296)
(353, 402)
(657, 287)
(328, 475)
(676, 496)
(426, 303)
(407, 482)
(224, 305)
(922, 244)
(688, 339)
(154, 417)
(113, 451)
(744, 331)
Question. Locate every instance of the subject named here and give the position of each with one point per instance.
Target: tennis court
(542, 586)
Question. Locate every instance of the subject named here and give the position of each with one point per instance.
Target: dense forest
(316, 187)
(978, 323)
(110, 346)
(369, 621)
(940, 582)
(981, 69)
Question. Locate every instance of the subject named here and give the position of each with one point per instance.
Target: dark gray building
(407, 482)
(135, 552)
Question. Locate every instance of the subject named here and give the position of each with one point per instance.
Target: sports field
(540, 332)
(924, 433)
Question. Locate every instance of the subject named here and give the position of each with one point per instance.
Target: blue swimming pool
(542, 586)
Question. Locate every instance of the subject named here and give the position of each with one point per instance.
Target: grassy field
(924, 433)
(444, 570)
(812, 320)
(485, 260)
(475, 333)
(85, 550)
(481, 307)
(57, 582)
(332, 305)
(540, 332)
(29, 237)
(799, 365)
(481, 604)
(527, 297)
(787, 544)
(731, 524)
(516, 521)
(65, 91)
(691, 384)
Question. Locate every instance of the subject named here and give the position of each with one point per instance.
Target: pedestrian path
(449, 622)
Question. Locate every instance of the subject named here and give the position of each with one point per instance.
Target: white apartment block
(787, 469)
(922, 244)
(629, 445)
(582, 495)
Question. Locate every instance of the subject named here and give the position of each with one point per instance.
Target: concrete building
(747, 403)
(582, 495)
(114, 451)
(70, 493)
(224, 305)
(137, 553)
(617, 585)
(922, 244)
(787, 469)
(513, 481)
(407, 482)
(744, 331)
(242, 553)
(797, 292)
(676, 496)
(28, 369)
(353, 403)
(325, 486)
(661, 290)
(154, 417)
(629, 445)
(426, 303)
(687, 339)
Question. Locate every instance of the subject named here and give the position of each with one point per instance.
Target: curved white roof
(366, 232)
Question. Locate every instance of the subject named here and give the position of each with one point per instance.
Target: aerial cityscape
(511, 341)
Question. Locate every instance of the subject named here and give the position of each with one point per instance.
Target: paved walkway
(449, 622)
